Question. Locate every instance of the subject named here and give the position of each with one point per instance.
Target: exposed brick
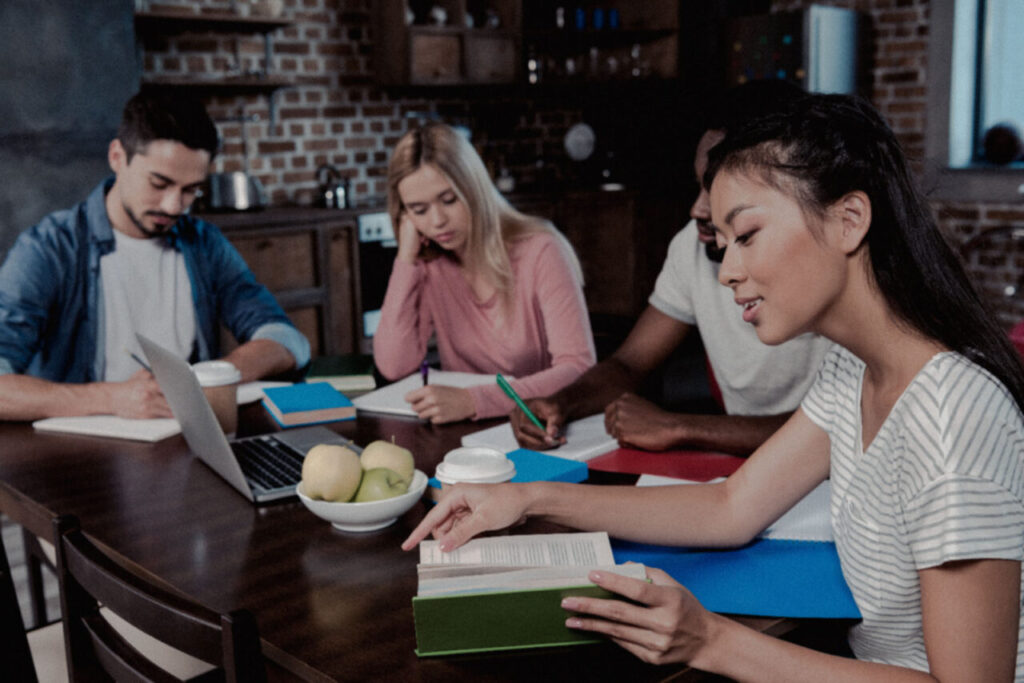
(320, 145)
(270, 147)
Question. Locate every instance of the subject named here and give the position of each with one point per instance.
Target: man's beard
(147, 231)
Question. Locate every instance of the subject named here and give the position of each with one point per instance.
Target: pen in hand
(507, 388)
(424, 371)
(139, 360)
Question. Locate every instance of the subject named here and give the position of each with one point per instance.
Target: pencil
(507, 388)
(139, 361)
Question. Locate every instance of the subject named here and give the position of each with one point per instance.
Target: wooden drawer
(281, 261)
(434, 59)
(490, 59)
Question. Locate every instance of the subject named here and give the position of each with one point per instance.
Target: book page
(527, 550)
(521, 579)
(584, 439)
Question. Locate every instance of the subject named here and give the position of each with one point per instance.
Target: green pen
(507, 388)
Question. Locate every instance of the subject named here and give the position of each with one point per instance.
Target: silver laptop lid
(198, 423)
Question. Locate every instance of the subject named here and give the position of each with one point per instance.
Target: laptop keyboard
(268, 462)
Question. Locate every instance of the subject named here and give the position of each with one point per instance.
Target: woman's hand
(467, 510)
(668, 624)
(410, 241)
(440, 404)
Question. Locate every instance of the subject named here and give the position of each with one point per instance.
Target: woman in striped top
(915, 416)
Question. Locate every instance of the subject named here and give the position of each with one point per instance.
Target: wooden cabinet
(307, 259)
(621, 239)
(447, 42)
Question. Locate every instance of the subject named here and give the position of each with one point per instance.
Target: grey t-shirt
(755, 379)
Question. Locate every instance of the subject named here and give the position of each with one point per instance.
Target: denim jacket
(51, 303)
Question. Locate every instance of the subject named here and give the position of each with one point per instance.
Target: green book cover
(507, 620)
(344, 365)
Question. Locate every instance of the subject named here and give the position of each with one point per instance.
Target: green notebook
(505, 592)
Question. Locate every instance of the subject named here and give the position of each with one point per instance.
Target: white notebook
(809, 520)
(111, 426)
(585, 439)
(391, 398)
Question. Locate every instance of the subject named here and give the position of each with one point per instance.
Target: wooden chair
(181, 628)
(33, 657)
(39, 556)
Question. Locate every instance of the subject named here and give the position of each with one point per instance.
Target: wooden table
(330, 605)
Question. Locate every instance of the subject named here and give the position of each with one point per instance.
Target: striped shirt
(943, 480)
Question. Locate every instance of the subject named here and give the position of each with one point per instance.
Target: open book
(505, 592)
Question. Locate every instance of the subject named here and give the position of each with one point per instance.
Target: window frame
(973, 182)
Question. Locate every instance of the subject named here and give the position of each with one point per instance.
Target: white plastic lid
(216, 373)
(475, 465)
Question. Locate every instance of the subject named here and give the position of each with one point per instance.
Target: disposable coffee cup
(474, 465)
(219, 380)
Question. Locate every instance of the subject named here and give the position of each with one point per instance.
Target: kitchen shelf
(249, 84)
(222, 22)
(153, 24)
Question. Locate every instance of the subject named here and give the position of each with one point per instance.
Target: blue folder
(535, 466)
(768, 578)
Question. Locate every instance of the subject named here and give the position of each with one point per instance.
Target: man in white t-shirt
(78, 286)
(760, 385)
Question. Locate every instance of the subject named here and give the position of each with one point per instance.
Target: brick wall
(899, 90)
(336, 114)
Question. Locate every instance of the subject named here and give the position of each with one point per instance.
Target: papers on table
(391, 398)
(585, 439)
(808, 520)
(111, 426)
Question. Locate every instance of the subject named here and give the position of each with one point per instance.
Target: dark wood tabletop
(331, 605)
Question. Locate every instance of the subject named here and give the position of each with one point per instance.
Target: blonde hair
(494, 224)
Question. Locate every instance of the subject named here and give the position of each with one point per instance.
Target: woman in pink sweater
(502, 291)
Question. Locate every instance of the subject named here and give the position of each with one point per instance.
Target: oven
(377, 250)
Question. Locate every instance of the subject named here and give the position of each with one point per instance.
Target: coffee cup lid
(475, 464)
(215, 373)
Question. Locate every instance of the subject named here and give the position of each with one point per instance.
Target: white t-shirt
(145, 289)
(943, 480)
(755, 379)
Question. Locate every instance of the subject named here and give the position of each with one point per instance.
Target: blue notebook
(307, 403)
(535, 466)
(768, 577)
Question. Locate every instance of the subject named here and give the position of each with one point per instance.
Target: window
(974, 67)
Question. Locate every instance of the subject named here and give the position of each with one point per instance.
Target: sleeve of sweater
(405, 326)
(557, 294)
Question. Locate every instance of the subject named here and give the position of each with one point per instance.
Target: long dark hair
(825, 146)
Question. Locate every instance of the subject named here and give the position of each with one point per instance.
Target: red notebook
(693, 465)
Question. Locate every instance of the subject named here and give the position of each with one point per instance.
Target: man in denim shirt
(76, 288)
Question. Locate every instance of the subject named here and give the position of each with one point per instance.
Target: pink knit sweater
(545, 340)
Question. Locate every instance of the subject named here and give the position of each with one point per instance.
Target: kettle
(333, 188)
(235, 191)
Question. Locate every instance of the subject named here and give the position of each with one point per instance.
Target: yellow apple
(380, 483)
(389, 455)
(331, 472)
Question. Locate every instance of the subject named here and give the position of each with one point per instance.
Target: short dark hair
(151, 115)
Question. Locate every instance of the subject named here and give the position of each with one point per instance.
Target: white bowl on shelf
(370, 516)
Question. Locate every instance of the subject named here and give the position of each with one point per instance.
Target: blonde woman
(502, 291)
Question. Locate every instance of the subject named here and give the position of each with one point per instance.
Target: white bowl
(369, 516)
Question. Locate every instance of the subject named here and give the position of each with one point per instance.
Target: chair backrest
(18, 660)
(96, 651)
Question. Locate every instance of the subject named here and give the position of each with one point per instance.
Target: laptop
(262, 468)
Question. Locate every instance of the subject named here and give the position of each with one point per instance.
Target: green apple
(331, 472)
(389, 455)
(380, 483)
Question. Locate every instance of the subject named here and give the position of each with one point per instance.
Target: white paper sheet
(585, 439)
(391, 398)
